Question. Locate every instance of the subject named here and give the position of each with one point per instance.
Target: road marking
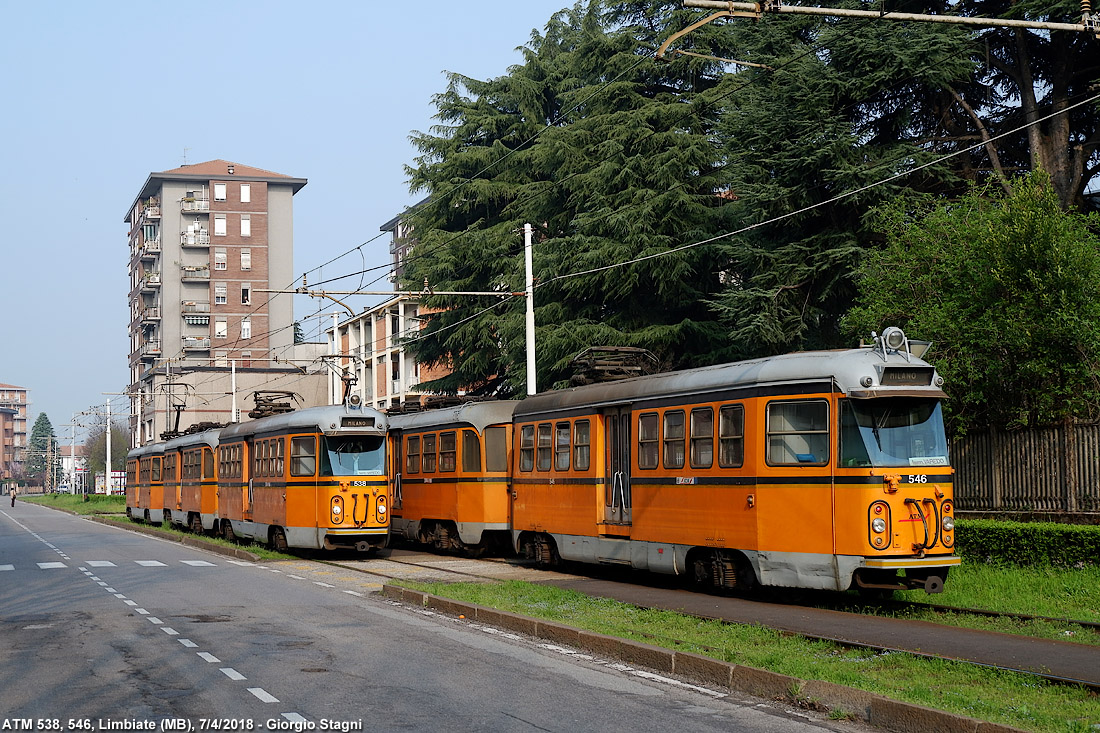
(7, 567)
(241, 563)
(263, 694)
(294, 718)
(101, 564)
(128, 602)
(323, 585)
(154, 620)
(354, 593)
(198, 563)
(151, 563)
(233, 674)
(142, 611)
(296, 577)
(109, 589)
(187, 643)
(102, 583)
(51, 565)
(118, 595)
(170, 631)
(209, 657)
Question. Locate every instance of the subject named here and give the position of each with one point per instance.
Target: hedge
(1027, 543)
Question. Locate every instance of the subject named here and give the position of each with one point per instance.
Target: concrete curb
(197, 542)
(879, 711)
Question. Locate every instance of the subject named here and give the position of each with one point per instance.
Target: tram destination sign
(357, 422)
(907, 376)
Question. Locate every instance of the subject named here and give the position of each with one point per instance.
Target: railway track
(1055, 661)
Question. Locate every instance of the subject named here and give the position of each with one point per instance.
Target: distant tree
(39, 450)
(299, 337)
(1008, 289)
(95, 448)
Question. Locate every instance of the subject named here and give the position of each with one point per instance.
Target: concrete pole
(532, 384)
(108, 471)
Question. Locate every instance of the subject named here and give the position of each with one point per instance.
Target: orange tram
(314, 478)
(825, 470)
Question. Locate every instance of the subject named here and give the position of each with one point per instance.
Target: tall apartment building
(13, 430)
(205, 240)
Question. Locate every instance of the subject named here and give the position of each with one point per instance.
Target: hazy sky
(99, 94)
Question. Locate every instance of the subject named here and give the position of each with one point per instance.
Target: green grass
(96, 504)
(1000, 697)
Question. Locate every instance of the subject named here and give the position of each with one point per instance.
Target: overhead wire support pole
(1090, 22)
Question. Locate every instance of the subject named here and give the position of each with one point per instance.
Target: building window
(246, 328)
(246, 295)
(221, 327)
(246, 259)
(221, 358)
(246, 225)
(246, 193)
(246, 359)
(219, 225)
(219, 192)
(221, 291)
(220, 258)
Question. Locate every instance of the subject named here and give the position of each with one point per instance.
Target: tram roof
(206, 437)
(326, 419)
(844, 369)
(479, 415)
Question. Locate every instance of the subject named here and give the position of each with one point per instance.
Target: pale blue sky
(99, 94)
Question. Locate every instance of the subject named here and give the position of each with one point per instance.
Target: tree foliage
(1008, 289)
(95, 448)
(39, 449)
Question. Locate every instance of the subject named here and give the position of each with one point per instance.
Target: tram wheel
(278, 540)
(227, 531)
(196, 524)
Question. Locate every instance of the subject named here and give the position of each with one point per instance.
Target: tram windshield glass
(892, 431)
(358, 455)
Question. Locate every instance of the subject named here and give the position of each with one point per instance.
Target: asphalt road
(118, 629)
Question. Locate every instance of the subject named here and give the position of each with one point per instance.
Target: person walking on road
(13, 492)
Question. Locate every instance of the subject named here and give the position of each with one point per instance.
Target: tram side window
(447, 451)
(702, 437)
(429, 454)
(471, 452)
(207, 463)
(731, 436)
(527, 448)
(648, 440)
(280, 453)
(156, 469)
(412, 455)
(303, 455)
(561, 446)
(674, 439)
(545, 446)
(582, 445)
(170, 468)
(496, 449)
(798, 433)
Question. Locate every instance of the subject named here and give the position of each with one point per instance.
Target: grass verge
(96, 503)
(999, 697)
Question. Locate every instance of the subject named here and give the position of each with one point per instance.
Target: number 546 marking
(918, 479)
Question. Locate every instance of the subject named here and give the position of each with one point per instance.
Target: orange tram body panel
(823, 470)
(451, 486)
(313, 478)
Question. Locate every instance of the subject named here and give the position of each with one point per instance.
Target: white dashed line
(187, 643)
(262, 694)
(109, 589)
(209, 657)
(170, 631)
(198, 563)
(7, 567)
(142, 611)
(294, 718)
(117, 594)
(323, 585)
(354, 593)
(232, 673)
(128, 602)
(296, 577)
(151, 563)
(101, 564)
(51, 565)
(155, 620)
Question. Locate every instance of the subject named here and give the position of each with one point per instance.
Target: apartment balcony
(152, 313)
(195, 239)
(151, 281)
(194, 204)
(194, 306)
(194, 274)
(151, 211)
(150, 250)
(150, 349)
(190, 343)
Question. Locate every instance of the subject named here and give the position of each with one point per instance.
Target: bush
(1027, 543)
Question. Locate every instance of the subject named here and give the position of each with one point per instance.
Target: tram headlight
(878, 525)
(336, 506)
(380, 509)
(894, 338)
(948, 524)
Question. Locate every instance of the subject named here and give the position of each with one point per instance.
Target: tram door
(397, 445)
(617, 501)
(250, 464)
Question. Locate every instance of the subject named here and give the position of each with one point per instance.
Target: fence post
(1069, 463)
(996, 473)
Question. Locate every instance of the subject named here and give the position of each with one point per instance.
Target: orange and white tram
(145, 483)
(823, 470)
(190, 483)
(313, 478)
(451, 486)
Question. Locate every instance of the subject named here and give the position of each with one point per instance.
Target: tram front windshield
(358, 455)
(892, 431)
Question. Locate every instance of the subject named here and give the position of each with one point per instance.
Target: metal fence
(1053, 469)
